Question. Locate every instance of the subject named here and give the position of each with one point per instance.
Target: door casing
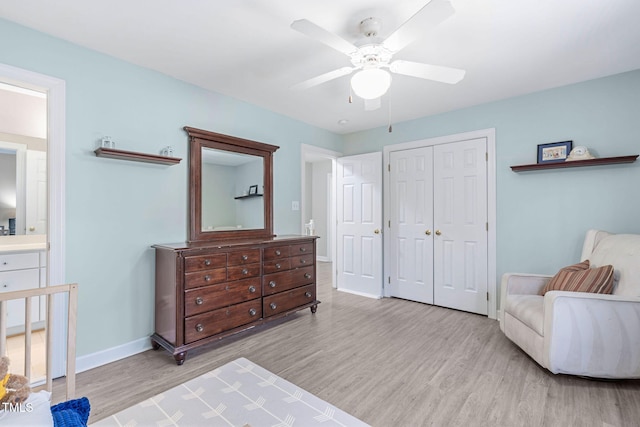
(489, 134)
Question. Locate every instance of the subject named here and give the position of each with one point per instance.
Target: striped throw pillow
(581, 266)
(595, 280)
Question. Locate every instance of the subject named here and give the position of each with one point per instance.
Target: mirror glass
(232, 191)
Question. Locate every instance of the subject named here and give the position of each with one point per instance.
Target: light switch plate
(295, 205)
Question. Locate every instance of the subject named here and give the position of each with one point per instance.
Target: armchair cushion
(597, 280)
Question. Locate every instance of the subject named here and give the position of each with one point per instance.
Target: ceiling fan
(372, 56)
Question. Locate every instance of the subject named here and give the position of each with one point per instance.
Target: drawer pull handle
(252, 312)
(278, 266)
(252, 289)
(245, 271)
(278, 252)
(272, 284)
(199, 301)
(207, 262)
(273, 306)
(207, 278)
(303, 249)
(307, 276)
(303, 261)
(307, 294)
(244, 257)
(199, 327)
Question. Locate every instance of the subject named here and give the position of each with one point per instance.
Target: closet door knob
(428, 232)
(438, 232)
(376, 231)
(199, 301)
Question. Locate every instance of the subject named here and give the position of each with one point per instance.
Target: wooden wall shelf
(576, 163)
(112, 153)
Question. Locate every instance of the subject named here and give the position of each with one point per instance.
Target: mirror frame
(199, 139)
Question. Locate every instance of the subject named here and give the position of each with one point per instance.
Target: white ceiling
(246, 49)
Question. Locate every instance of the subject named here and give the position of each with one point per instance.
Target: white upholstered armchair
(578, 333)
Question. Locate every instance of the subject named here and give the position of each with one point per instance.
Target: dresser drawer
(222, 319)
(204, 262)
(205, 277)
(278, 282)
(276, 252)
(200, 300)
(301, 249)
(276, 265)
(248, 256)
(301, 261)
(19, 261)
(19, 280)
(243, 271)
(286, 301)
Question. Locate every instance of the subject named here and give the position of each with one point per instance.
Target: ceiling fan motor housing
(370, 27)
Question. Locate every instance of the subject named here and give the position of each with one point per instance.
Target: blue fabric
(72, 413)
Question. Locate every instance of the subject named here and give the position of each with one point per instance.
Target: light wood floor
(388, 362)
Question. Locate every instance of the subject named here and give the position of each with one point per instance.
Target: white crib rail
(51, 291)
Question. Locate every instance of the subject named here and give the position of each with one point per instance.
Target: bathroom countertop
(35, 242)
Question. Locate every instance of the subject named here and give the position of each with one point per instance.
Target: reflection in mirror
(232, 190)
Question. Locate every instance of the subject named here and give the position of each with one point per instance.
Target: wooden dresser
(207, 291)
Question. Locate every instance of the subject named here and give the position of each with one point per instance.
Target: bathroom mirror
(230, 187)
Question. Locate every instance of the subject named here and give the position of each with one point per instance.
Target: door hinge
(389, 223)
(389, 280)
(486, 157)
(487, 226)
(487, 296)
(389, 167)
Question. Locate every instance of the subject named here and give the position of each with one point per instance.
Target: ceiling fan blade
(426, 71)
(312, 30)
(432, 14)
(323, 78)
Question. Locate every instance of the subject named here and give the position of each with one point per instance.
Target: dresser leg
(314, 308)
(179, 358)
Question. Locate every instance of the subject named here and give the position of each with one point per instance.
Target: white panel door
(36, 190)
(359, 220)
(460, 221)
(411, 224)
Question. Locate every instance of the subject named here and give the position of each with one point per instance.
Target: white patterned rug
(239, 393)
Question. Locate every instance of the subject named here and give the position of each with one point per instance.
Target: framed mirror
(230, 187)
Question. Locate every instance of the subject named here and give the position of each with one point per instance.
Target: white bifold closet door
(438, 225)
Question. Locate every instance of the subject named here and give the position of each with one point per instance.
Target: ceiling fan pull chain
(389, 111)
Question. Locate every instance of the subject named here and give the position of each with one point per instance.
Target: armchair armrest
(593, 335)
(520, 284)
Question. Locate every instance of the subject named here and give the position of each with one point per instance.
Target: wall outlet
(295, 206)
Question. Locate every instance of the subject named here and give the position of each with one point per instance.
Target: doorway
(318, 167)
(54, 165)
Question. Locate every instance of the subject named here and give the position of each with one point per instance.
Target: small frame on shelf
(253, 190)
(554, 152)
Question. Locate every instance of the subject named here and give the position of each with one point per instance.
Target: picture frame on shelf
(253, 189)
(554, 151)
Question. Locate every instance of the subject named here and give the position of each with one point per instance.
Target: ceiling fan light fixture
(371, 83)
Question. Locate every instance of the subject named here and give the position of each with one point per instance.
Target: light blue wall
(542, 216)
(115, 210)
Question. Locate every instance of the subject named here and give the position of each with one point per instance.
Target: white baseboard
(93, 360)
(362, 294)
(322, 258)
